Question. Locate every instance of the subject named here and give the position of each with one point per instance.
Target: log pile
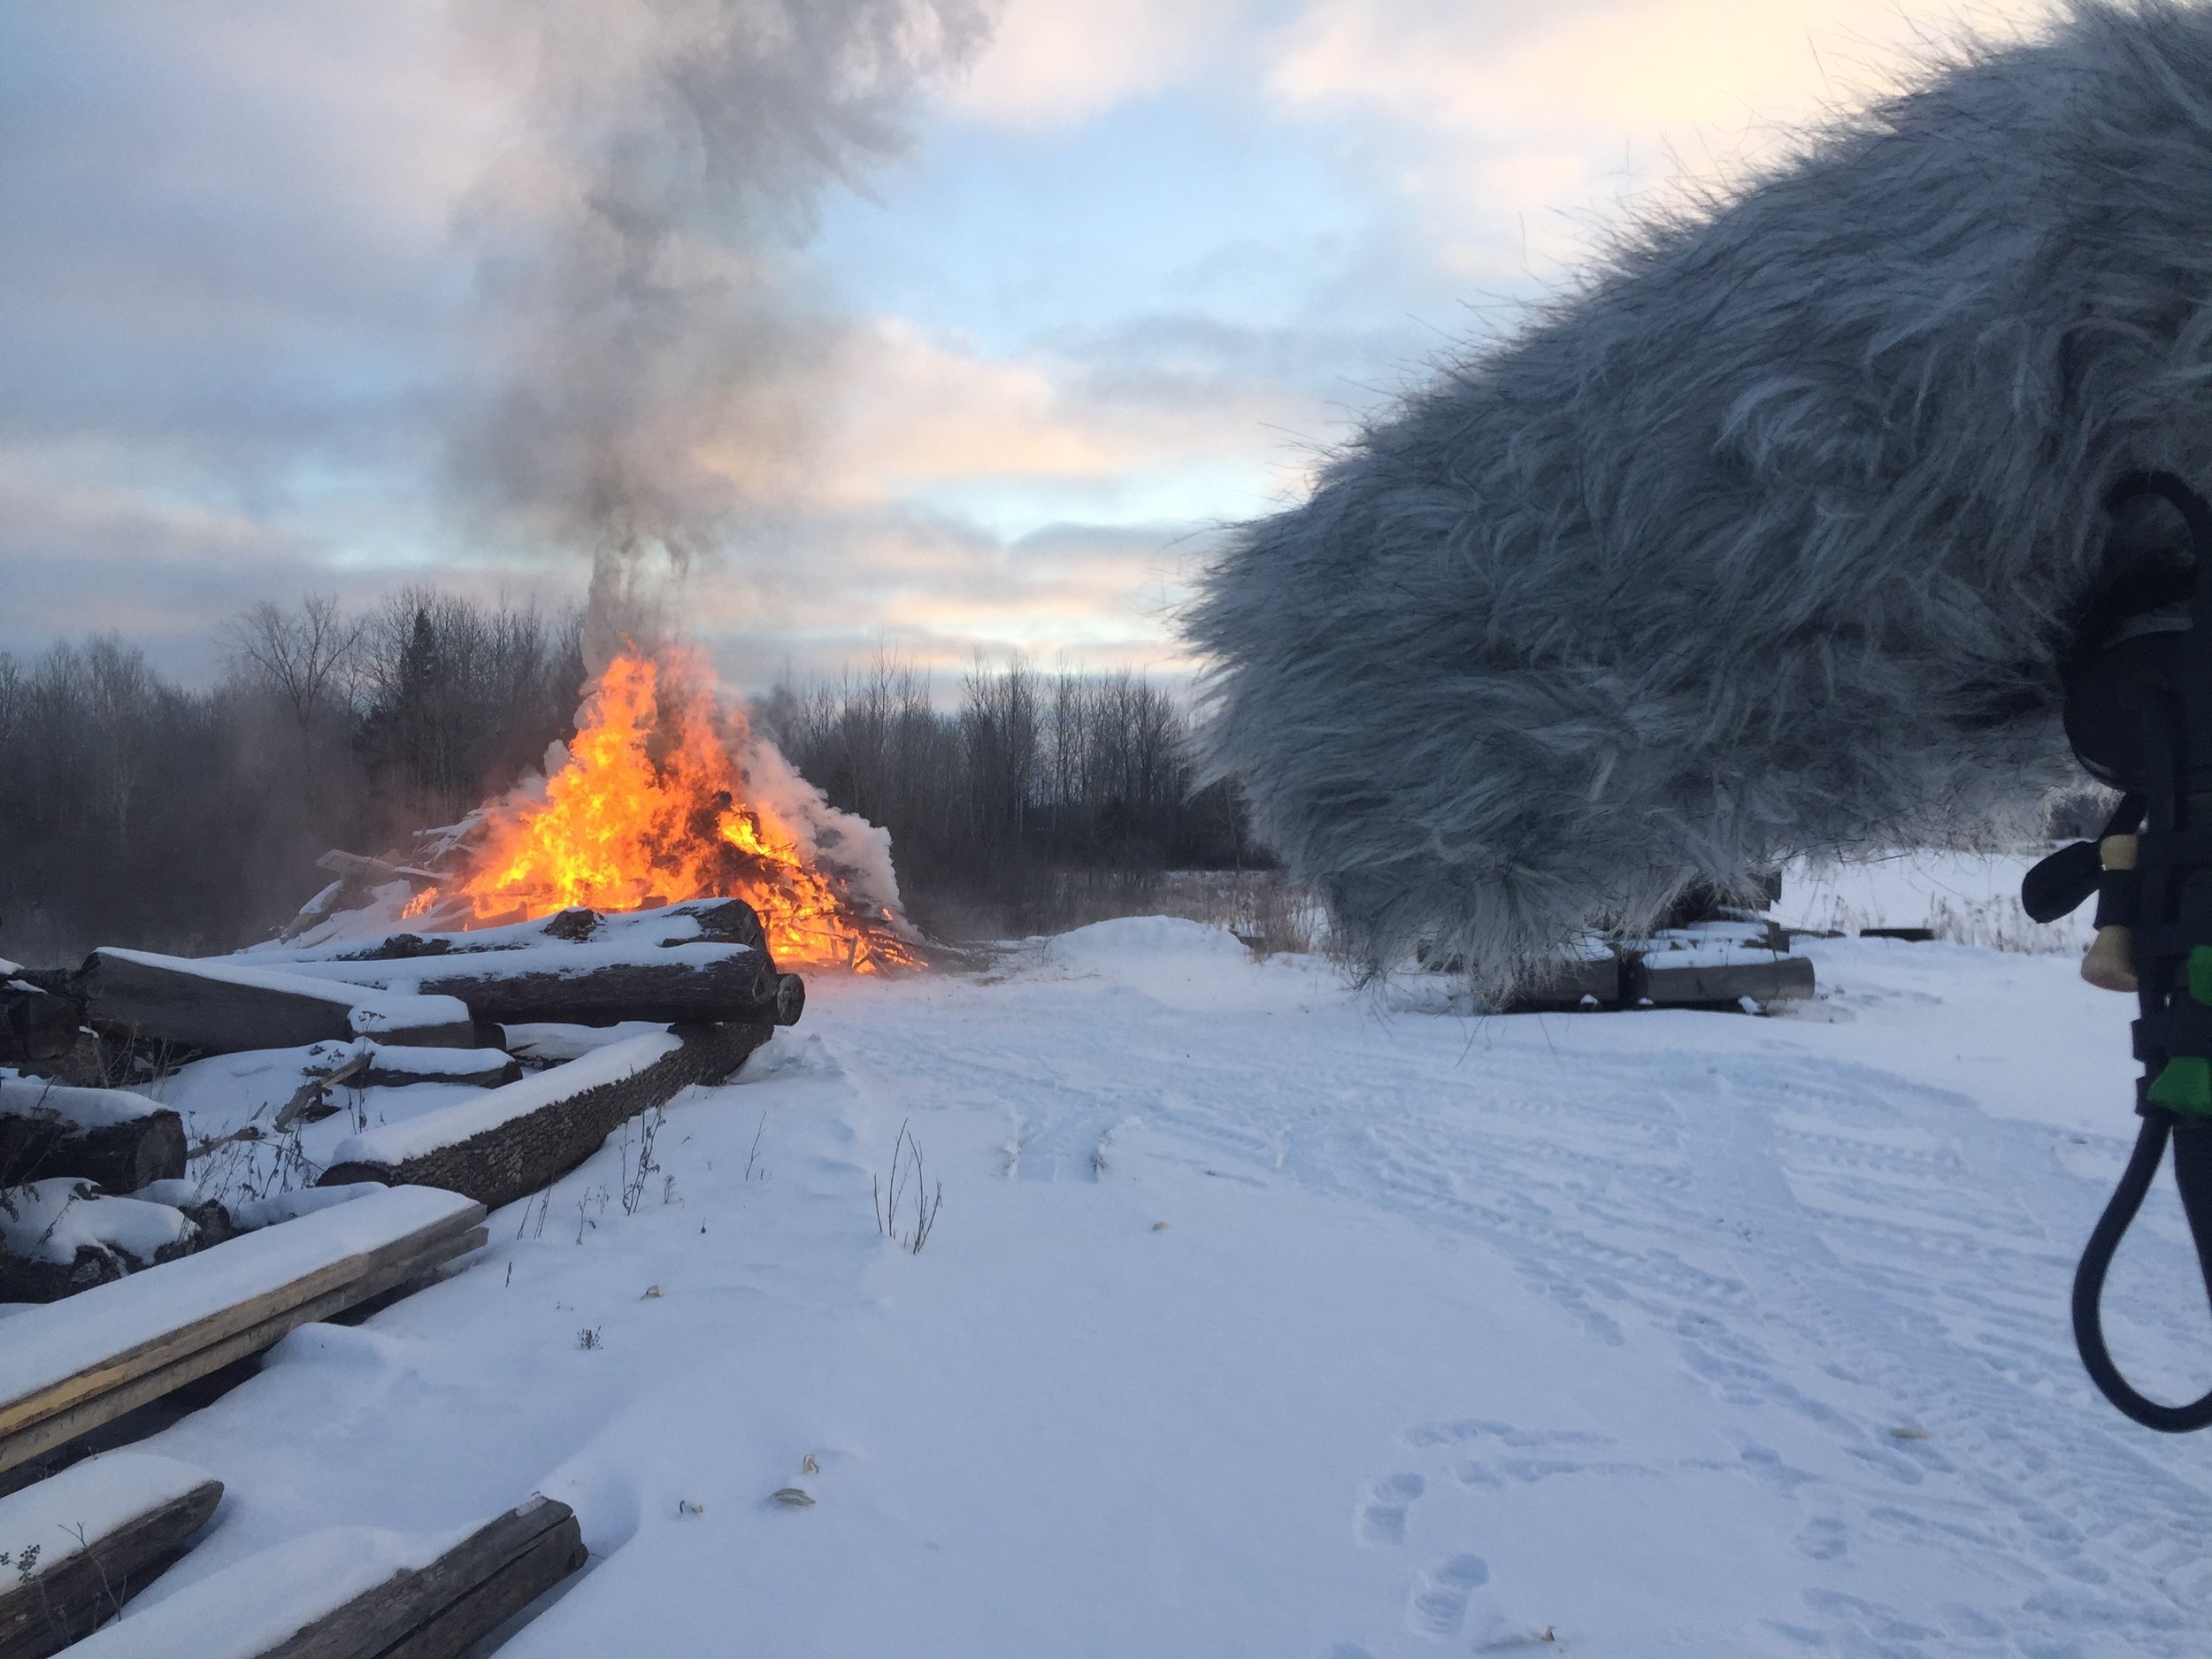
(90, 1179)
(509, 1142)
(144, 1283)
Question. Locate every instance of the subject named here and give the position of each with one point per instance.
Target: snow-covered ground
(1267, 1316)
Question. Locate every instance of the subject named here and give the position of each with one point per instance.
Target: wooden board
(434, 1612)
(43, 1613)
(89, 1411)
(113, 1337)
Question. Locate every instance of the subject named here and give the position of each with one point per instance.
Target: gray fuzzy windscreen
(1766, 541)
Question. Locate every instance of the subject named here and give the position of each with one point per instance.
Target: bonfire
(664, 794)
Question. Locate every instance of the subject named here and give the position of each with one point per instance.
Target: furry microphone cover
(1767, 539)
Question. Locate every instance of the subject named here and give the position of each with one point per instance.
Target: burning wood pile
(625, 920)
(315, 1126)
(93, 1180)
(663, 794)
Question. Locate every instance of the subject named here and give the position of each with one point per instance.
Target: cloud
(1053, 63)
(1520, 131)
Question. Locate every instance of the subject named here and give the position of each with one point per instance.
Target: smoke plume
(652, 364)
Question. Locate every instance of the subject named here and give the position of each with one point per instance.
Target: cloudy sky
(931, 330)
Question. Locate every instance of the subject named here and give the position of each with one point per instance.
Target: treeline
(1027, 804)
(134, 811)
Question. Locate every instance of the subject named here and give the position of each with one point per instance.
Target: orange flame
(651, 808)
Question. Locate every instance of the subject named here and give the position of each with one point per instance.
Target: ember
(652, 806)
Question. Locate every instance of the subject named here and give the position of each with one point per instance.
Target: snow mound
(1146, 943)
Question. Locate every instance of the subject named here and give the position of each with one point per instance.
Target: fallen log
(220, 1006)
(121, 1140)
(509, 1142)
(588, 984)
(1718, 979)
(79, 1544)
(61, 1236)
(357, 1593)
(39, 1013)
(70, 1366)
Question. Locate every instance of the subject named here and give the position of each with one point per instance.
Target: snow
(381, 1013)
(67, 1513)
(672, 924)
(431, 1063)
(550, 1041)
(225, 1094)
(1678, 1335)
(57, 1218)
(395, 1143)
(48, 1344)
(87, 1108)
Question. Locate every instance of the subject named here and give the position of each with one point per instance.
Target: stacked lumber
(359, 1593)
(510, 1141)
(78, 1545)
(70, 1366)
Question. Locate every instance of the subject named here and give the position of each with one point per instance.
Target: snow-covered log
(350, 1593)
(587, 985)
(695, 921)
(79, 1544)
(40, 1012)
(508, 1142)
(70, 1366)
(61, 1236)
(121, 1140)
(222, 1007)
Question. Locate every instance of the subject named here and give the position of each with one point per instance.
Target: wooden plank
(88, 1411)
(508, 1143)
(434, 1611)
(28, 1394)
(44, 1611)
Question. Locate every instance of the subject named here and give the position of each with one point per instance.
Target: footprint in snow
(1437, 1605)
(1381, 1520)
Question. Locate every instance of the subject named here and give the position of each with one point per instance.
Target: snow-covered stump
(510, 1141)
(220, 1006)
(70, 1366)
(121, 1140)
(358, 1592)
(76, 1546)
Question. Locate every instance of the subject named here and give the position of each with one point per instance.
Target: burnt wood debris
(147, 1284)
